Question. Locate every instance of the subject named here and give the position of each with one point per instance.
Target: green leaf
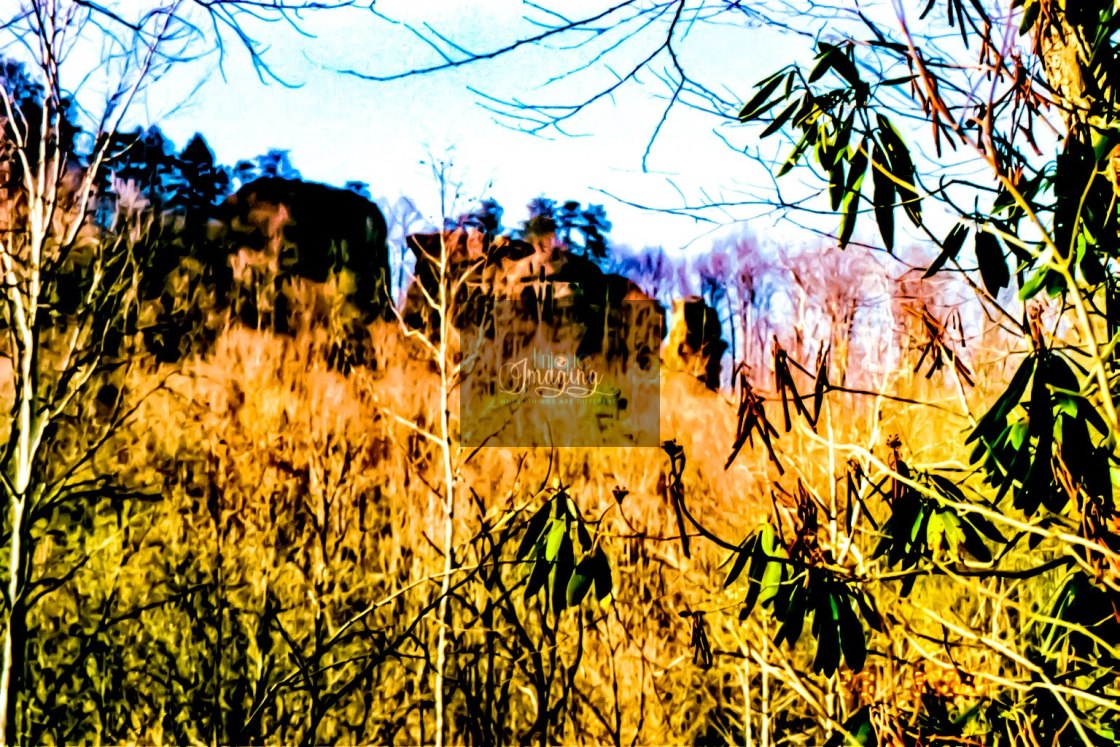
(562, 573)
(779, 121)
(819, 386)
(825, 58)
(556, 534)
(759, 102)
(952, 530)
(1092, 416)
(869, 614)
(843, 65)
(1030, 14)
(898, 81)
(835, 58)
(948, 488)
(901, 167)
(534, 530)
(850, 205)
(584, 536)
(756, 573)
(793, 617)
(807, 112)
(950, 248)
(985, 527)
(822, 147)
(580, 582)
(974, 544)
(852, 641)
(771, 580)
(537, 577)
(1037, 282)
(839, 150)
(1004, 201)
(742, 555)
(860, 728)
(798, 151)
(601, 572)
(884, 196)
(836, 184)
(995, 419)
(1037, 486)
(766, 573)
(1055, 284)
(826, 621)
(935, 530)
(992, 262)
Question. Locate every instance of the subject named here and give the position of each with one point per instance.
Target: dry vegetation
(280, 585)
(279, 538)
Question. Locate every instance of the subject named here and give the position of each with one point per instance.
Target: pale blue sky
(339, 127)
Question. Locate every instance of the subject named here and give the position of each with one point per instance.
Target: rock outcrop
(279, 253)
(695, 344)
(544, 283)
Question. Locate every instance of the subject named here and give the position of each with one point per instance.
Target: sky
(341, 128)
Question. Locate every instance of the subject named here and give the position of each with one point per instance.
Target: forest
(289, 462)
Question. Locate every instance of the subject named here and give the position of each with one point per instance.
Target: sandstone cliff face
(695, 345)
(282, 255)
(539, 279)
(273, 230)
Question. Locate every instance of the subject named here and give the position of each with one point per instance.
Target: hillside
(835, 460)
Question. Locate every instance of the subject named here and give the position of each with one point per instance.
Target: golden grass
(297, 529)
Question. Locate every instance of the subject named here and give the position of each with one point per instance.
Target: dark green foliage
(548, 545)
(583, 230)
(992, 263)
(950, 248)
(793, 589)
(1023, 457)
(901, 167)
(186, 257)
(26, 91)
(487, 217)
(273, 164)
(1049, 439)
(884, 197)
(849, 205)
(829, 120)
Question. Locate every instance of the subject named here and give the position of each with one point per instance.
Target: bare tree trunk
(445, 383)
(15, 631)
(24, 310)
(765, 706)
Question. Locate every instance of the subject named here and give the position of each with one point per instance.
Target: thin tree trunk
(449, 488)
(15, 631)
(28, 431)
